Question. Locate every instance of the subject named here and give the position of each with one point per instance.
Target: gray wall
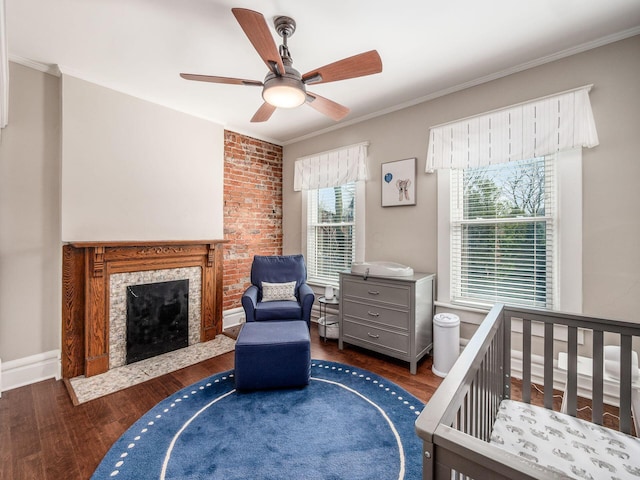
(30, 247)
(611, 171)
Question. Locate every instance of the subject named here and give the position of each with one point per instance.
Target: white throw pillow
(272, 292)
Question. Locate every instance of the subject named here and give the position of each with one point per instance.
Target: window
(563, 275)
(503, 228)
(331, 232)
(333, 201)
(510, 250)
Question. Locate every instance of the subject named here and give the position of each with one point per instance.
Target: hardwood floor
(43, 436)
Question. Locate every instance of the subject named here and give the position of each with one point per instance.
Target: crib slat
(506, 355)
(480, 400)
(492, 387)
(466, 413)
(485, 400)
(497, 378)
(571, 389)
(526, 360)
(597, 386)
(625, 383)
(473, 409)
(548, 365)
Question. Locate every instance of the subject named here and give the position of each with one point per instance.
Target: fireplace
(157, 319)
(121, 285)
(95, 281)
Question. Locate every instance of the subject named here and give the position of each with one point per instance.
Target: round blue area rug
(348, 423)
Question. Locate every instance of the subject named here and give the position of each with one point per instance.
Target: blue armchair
(273, 294)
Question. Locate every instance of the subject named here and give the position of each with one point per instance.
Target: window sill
(463, 307)
(316, 284)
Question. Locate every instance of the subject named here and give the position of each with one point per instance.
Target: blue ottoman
(273, 354)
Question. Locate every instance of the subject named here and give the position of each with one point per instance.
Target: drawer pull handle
(372, 335)
(374, 292)
(374, 314)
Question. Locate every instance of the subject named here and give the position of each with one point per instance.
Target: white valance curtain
(332, 168)
(531, 129)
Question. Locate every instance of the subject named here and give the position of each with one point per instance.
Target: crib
(457, 426)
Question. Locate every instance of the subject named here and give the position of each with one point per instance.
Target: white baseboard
(235, 316)
(32, 369)
(232, 317)
(611, 394)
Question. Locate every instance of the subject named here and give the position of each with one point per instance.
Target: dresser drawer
(372, 291)
(371, 337)
(376, 313)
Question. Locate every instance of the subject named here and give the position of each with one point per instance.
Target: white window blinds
(503, 233)
(332, 168)
(331, 232)
(528, 130)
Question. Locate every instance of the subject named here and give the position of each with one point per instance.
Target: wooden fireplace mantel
(86, 269)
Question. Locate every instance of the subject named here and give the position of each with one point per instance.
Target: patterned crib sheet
(565, 444)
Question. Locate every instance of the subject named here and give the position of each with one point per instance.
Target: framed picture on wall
(399, 183)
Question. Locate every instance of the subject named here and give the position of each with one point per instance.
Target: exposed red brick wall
(252, 209)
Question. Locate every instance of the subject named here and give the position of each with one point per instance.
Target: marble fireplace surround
(118, 305)
(91, 268)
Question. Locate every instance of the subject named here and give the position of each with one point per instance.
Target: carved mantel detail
(160, 250)
(96, 256)
(87, 267)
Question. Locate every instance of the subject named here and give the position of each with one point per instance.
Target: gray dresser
(389, 315)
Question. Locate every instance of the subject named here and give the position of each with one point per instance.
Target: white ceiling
(428, 48)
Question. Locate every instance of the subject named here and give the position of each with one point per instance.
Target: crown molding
(50, 69)
(600, 42)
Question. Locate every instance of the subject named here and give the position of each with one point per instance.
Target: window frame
(358, 236)
(567, 284)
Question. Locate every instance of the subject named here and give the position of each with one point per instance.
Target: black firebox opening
(157, 319)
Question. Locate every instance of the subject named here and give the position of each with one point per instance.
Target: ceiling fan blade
(264, 113)
(327, 107)
(256, 29)
(228, 80)
(359, 65)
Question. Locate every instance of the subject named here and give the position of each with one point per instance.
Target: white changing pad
(566, 444)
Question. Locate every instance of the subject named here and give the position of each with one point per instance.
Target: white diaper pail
(446, 342)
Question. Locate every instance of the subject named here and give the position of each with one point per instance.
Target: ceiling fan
(284, 86)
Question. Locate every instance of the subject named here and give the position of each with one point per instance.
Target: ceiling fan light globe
(284, 96)
(286, 91)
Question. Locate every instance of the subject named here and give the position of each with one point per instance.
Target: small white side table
(323, 301)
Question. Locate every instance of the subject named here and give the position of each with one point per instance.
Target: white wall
(611, 172)
(133, 170)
